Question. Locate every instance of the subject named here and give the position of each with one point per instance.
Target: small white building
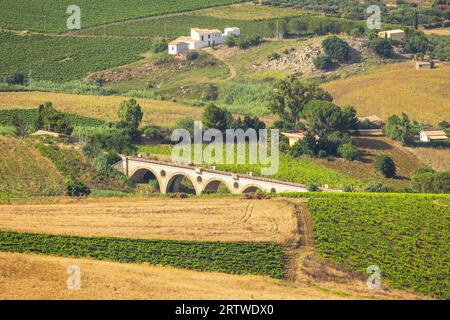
(433, 135)
(423, 65)
(232, 31)
(201, 38)
(393, 34)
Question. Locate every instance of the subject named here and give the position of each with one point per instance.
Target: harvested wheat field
(27, 276)
(423, 94)
(100, 107)
(226, 219)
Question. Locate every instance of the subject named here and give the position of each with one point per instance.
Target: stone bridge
(170, 177)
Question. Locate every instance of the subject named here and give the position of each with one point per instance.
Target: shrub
(336, 48)
(377, 187)
(385, 165)
(192, 55)
(16, 78)
(429, 181)
(349, 151)
(77, 189)
(273, 56)
(157, 134)
(160, 46)
(231, 41)
(313, 187)
(381, 47)
(322, 62)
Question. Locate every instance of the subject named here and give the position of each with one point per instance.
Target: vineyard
(29, 117)
(65, 58)
(181, 24)
(46, 15)
(234, 258)
(406, 236)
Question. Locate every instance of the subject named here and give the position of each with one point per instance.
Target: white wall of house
(178, 48)
(424, 137)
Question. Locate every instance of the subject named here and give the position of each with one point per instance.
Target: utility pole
(278, 32)
(31, 71)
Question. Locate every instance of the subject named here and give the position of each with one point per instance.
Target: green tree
(130, 113)
(325, 117)
(385, 165)
(349, 151)
(400, 129)
(381, 47)
(216, 118)
(52, 120)
(323, 62)
(290, 96)
(336, 48)
(20, 127)
(186, 123)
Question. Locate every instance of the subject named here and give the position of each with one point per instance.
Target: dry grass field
(439, 31)
(215, 219)
(423, 94)
(437, 158)
(27, 276)
(250, 11)
(101, 107)
(405, 161)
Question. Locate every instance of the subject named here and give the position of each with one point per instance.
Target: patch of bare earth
(301, 61)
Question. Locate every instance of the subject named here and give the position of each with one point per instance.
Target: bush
(77, 189)
(381, 47)
(313, 187)
(323, 62)
(231, 41)
(192, 55)
(273, 56)
(349, 151)
(160, 46)
(429, 181)
(157, 133)
(385, 165)
(16, 78)
(377, 187)
(336, 48)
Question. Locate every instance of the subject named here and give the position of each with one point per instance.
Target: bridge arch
(181, 183)
(214, 185)
(145, 175)
(253, 188)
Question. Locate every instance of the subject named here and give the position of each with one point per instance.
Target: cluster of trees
(119, 137)
(336, 50)
(327, 125)
(427, 180)
(243, 42)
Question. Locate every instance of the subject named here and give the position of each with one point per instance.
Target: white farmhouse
(200, 38)
(433, 135)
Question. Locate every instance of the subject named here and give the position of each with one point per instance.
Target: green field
(234, 258)
(65, 58)
(406, 236)
(50, 15)
(302, 170)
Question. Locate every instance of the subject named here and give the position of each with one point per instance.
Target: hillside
(406, 162)
(24, 171)
(422, 94)
(100, 107)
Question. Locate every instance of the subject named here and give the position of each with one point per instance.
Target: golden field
(250, 11)
(423, 94)
(28, 276)
(214, 219)
(101, 107)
